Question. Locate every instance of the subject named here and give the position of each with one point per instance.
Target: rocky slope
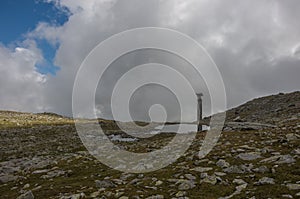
(273, 109)
(49, 161)
(18, 119)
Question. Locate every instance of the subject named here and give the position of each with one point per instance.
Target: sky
(20, 17)
(254, 43)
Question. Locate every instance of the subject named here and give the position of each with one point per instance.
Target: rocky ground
(257, 156)
(11, 119)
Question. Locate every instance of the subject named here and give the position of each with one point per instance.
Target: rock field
(257, 156)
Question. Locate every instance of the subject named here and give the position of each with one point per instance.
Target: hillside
(43, 160)
(273, 109)
(21, 119)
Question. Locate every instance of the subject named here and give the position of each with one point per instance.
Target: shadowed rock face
(41, 160)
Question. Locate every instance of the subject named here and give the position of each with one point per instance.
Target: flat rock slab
(293, 186)
(249, 156)
(202, 169)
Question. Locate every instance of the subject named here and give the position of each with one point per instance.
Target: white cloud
(253, 42)
(21, 85)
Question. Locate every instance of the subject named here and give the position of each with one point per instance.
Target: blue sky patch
(19, 17)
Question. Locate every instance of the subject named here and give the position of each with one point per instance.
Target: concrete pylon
(199, 111)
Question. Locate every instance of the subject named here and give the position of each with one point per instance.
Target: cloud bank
(255, 44)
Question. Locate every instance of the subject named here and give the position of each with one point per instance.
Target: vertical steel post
(199, 112)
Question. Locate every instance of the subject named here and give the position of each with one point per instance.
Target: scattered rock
(296, 152)
(30, 153)
(185, 184)
(261, 169)
(238, 190)
(40, 171)
(270, 159)
(202, 169)
(220, 174)
(53, 174)
(249, 156)
(239, 181)
(211, 179)
(104, 184)
(279, 159)
(95, 194)
(74, 196)
(7, 178)
(190, 176)
(291, 137)
(222, 163)
(285, 159)
(27, 195)
(158, 183)
(265, 180)
(233, 169)
(238, 119)
(26, 186)
(293, 186)
(287, 196)
(180, 194)
(156, 197)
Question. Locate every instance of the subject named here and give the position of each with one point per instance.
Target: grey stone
(190, 176)
(222, 163)
(293, 186)
(180, 194)
(261, 169)
(104, 184)
(265, 180)
(234, 169)
(40, 171)
(287, 196)
(7, 178)
(203, 175)
(156, 197)
(27, 195)
(185, 184)
(158, 183)
(53, 174)
(238, 190)
(291, 137)
(74, 196)
(26, 186)
(279, 159)
(271, 159)
(239, 181)
(296, 151)
(285, 159)
(210, 179)
(249, 156)
(220, 174)
(202, 169)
